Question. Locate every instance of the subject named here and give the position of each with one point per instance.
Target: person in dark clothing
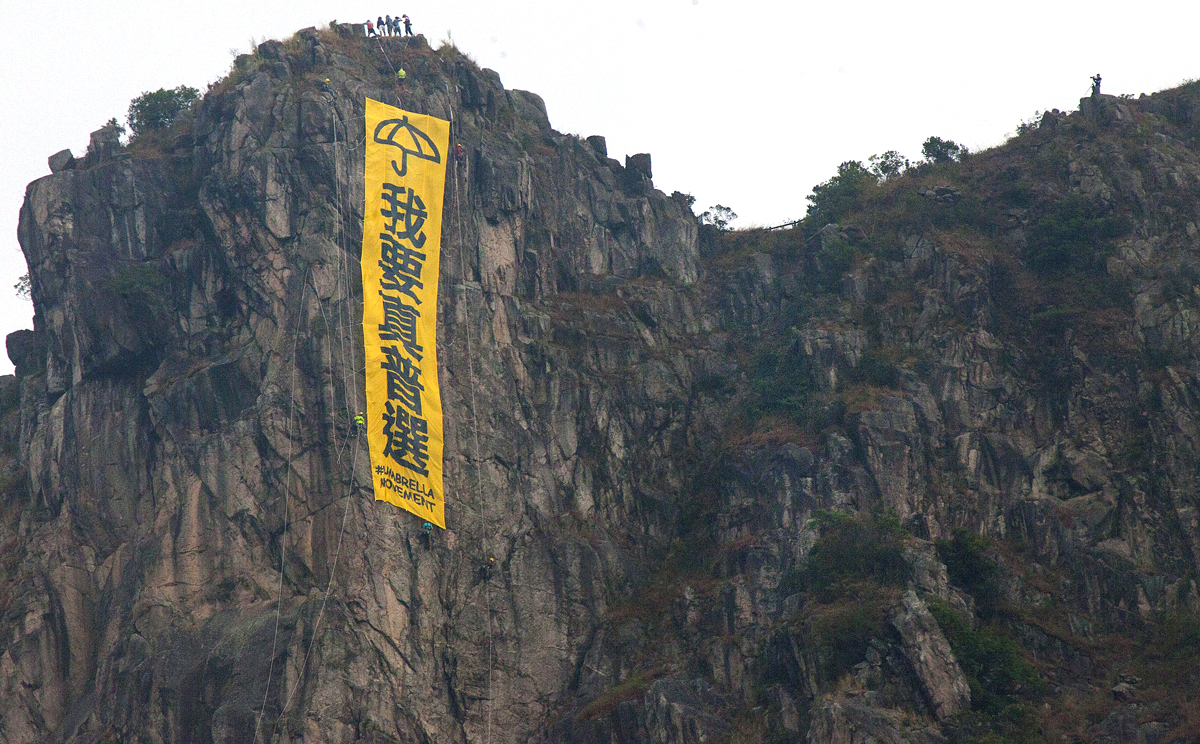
(1096, 84)
(387, 24)
(396, 25)
(407, 25)
(379, 25)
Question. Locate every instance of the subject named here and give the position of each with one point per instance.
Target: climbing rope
(462, 261)
(350, 390)
(349, 381)
(283, 537)
(389, 61)
(328, 586)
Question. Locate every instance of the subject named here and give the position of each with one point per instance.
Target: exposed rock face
(932, 661)
(641, 425)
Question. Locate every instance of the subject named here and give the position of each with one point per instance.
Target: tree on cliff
(719, 216)
(155, 111)
(830, 200)
(938, 150)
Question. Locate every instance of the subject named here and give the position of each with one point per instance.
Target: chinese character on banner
(411, 212)
(400, 324)
(402, 379)
(407, 436)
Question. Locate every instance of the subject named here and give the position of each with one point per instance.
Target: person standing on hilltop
(1096, 84)
(407, 26)
(388, 24)
(370, 28)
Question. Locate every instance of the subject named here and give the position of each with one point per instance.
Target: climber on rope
(400, 75)
(485, 571)
(325, 86)
(459, 152)
(360, 424)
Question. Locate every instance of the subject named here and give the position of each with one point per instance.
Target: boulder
(61, 161)
(941, 194)
(1123, 692)
(27, 351)
(928, 653)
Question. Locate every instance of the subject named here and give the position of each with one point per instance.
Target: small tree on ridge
(155, 111)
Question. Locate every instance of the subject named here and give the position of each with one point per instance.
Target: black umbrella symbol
(411, 141)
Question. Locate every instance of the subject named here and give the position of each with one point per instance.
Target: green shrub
(1072, 236)
(876, 368)
(853, 573)
(1004, 686)
(971, 570)
(834, 259)
(938, 150)
(837, 197)
(888, 164)
(842, 631)
(155, 111)
(780, 383)
(855, 548)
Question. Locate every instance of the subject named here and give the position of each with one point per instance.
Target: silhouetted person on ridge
(407, 26)
(1096, 84)
(387, 24)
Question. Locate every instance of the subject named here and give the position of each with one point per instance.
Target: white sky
(789, 88)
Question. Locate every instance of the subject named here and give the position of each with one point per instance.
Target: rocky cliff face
(923, 469)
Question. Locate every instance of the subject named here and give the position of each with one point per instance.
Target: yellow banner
(402, 237)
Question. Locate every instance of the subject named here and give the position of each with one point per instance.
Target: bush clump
(1072, 236)
(938, 150)
(853, 573)
(971, 570)
(837, 197)
(854, 549)
(154, 112)
(1005, 688)
(780, 383)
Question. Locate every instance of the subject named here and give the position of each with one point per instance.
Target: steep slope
(920, 469)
